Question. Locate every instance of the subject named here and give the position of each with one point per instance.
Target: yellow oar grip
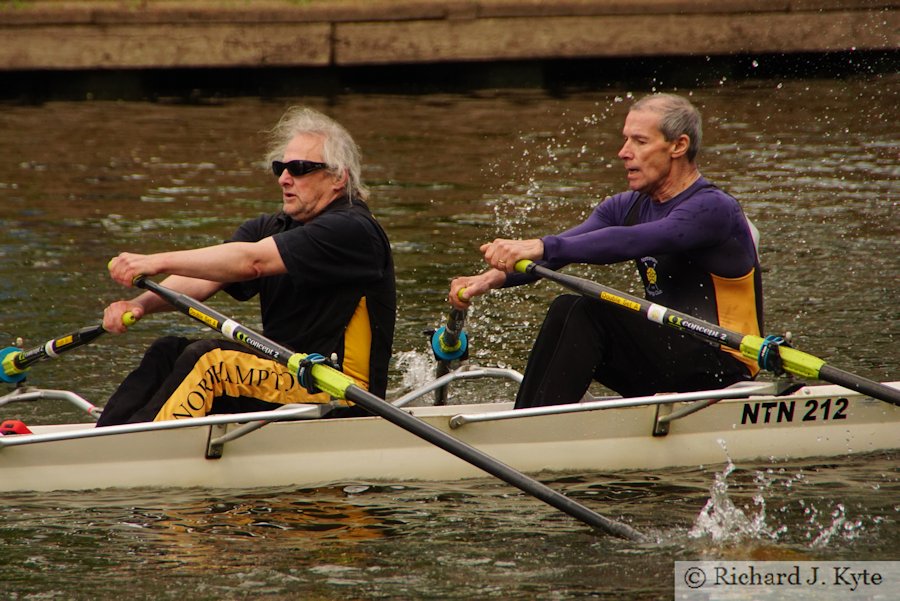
(793, 361)
(522, 265)
(129, 319)
(327, 378)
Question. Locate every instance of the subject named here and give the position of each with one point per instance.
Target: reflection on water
(813, 162)
(439, 541)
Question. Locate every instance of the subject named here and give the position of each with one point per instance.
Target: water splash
(723, 521)
(837, 525)
(416, 369)
(552, 179)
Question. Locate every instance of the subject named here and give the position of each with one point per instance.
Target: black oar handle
(450, 342)
(456, 320)
(340, 385)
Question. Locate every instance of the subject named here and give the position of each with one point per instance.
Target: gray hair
(339, 150)
(677, 116)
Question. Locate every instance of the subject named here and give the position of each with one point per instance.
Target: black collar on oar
(15, 361)
(763, 350)
(341, 386)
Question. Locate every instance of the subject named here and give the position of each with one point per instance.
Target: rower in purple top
(695, 252)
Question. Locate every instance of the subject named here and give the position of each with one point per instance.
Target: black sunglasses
(296, 167)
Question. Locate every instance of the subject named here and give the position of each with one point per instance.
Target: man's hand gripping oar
(325, 378)
(769, 352)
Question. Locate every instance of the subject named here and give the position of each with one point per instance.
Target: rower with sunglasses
(321, 267)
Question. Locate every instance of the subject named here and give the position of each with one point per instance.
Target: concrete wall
(136, 34)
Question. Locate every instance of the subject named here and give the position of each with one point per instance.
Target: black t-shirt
(335, 261)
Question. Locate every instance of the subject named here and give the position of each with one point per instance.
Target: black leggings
(583, 339)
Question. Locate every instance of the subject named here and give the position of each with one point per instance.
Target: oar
(752, 347)
(341, 386)
(16, 362)
(448, 344)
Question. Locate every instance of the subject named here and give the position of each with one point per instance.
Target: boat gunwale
(457, 415)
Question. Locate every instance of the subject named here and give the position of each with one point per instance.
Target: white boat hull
(820, 421)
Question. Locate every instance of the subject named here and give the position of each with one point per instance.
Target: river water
(813, 161)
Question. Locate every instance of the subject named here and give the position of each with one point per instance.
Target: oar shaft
(216, 320)
(651, 311)
(328, 380)
(487, 463)
(875, 390)
(339, 385)
(55, 346)
(793, 361)
(18, 362)
(449, 344)
(456, 320)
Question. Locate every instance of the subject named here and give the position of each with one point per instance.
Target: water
(470, 540)
(813, 161)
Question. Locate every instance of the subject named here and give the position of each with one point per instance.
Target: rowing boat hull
(820, 421)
